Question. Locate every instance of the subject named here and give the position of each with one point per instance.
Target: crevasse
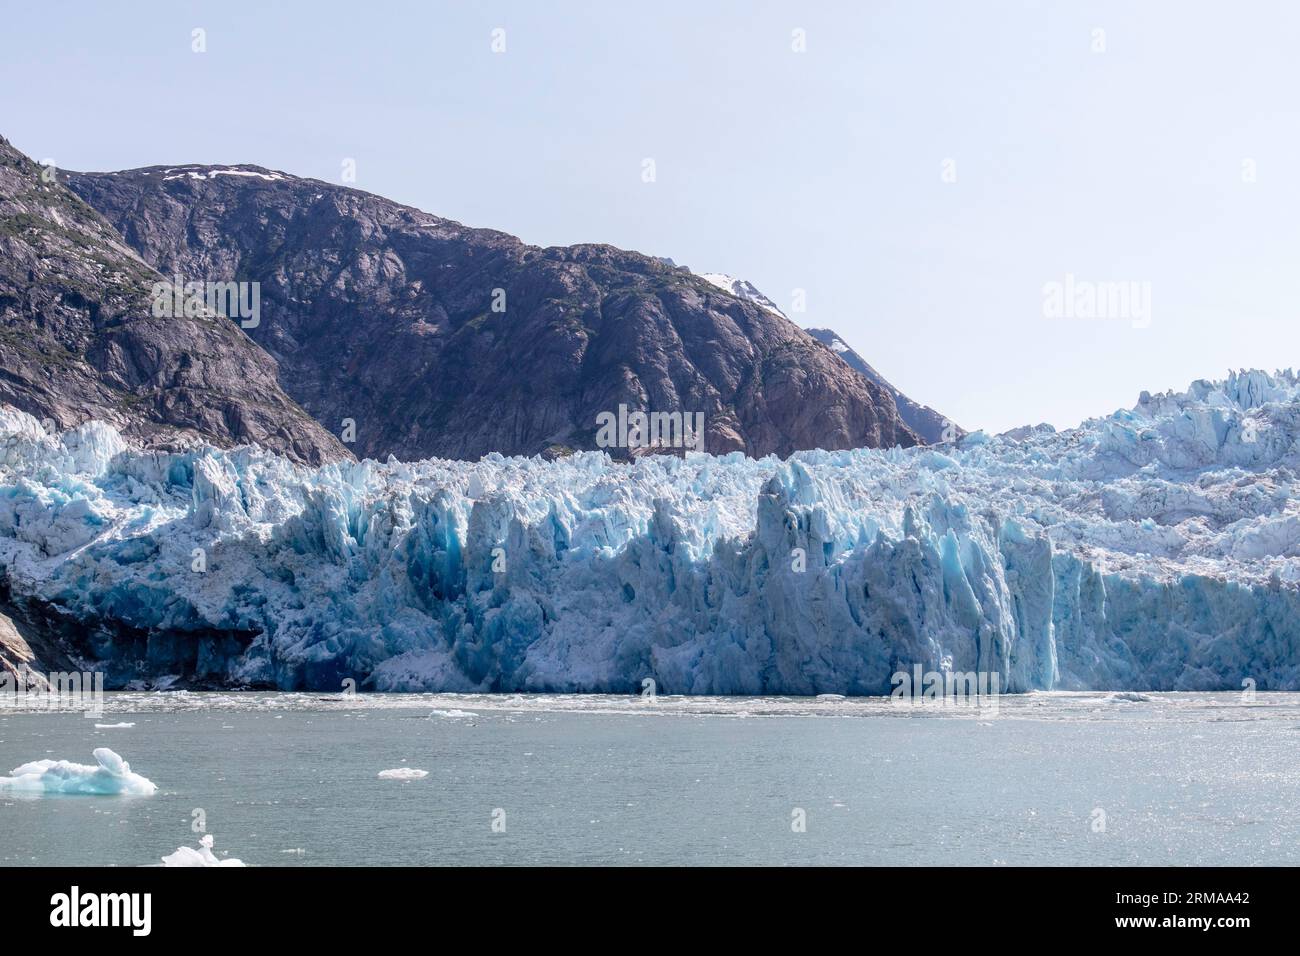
(1154, 549)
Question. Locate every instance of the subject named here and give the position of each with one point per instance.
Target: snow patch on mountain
(742, 289)
(208, 173)
(1157, 548)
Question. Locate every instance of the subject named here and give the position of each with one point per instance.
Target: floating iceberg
(203, 856)
(1157, 548)
(403, 773)
(112, 776)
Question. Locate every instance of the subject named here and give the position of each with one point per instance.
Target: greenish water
(292, 780)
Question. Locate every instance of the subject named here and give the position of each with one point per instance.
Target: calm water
(291, 780)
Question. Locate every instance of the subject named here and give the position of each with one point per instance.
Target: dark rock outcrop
(78, 338)
(16, 655)
(440, 340)
(931, 426)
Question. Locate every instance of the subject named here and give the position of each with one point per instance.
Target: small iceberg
(203, 856)
(402, 773)
(112, 776)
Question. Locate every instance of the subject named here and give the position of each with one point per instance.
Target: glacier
(1157, 548)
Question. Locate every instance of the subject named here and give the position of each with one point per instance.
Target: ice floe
(403, 773)
(111, 775)
(203, 856)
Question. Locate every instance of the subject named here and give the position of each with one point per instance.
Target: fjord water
(292, 780)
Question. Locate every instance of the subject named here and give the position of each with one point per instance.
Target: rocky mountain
(429, 338)
(930, 425)
(79, 338)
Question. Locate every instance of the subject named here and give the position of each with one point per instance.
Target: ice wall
(1157, 548)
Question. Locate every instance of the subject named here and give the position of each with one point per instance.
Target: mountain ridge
(435, 369)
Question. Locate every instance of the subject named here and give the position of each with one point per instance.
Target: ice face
(1157, 548)
(112, 776)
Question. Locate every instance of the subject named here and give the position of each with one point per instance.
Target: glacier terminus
(1157, 548)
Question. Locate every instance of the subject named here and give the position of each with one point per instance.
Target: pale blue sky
(818, 170)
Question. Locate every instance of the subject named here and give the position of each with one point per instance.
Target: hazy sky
(821, 170)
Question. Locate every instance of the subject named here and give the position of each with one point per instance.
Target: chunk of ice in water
(402, 773)
(203, 856)
(112, 776)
